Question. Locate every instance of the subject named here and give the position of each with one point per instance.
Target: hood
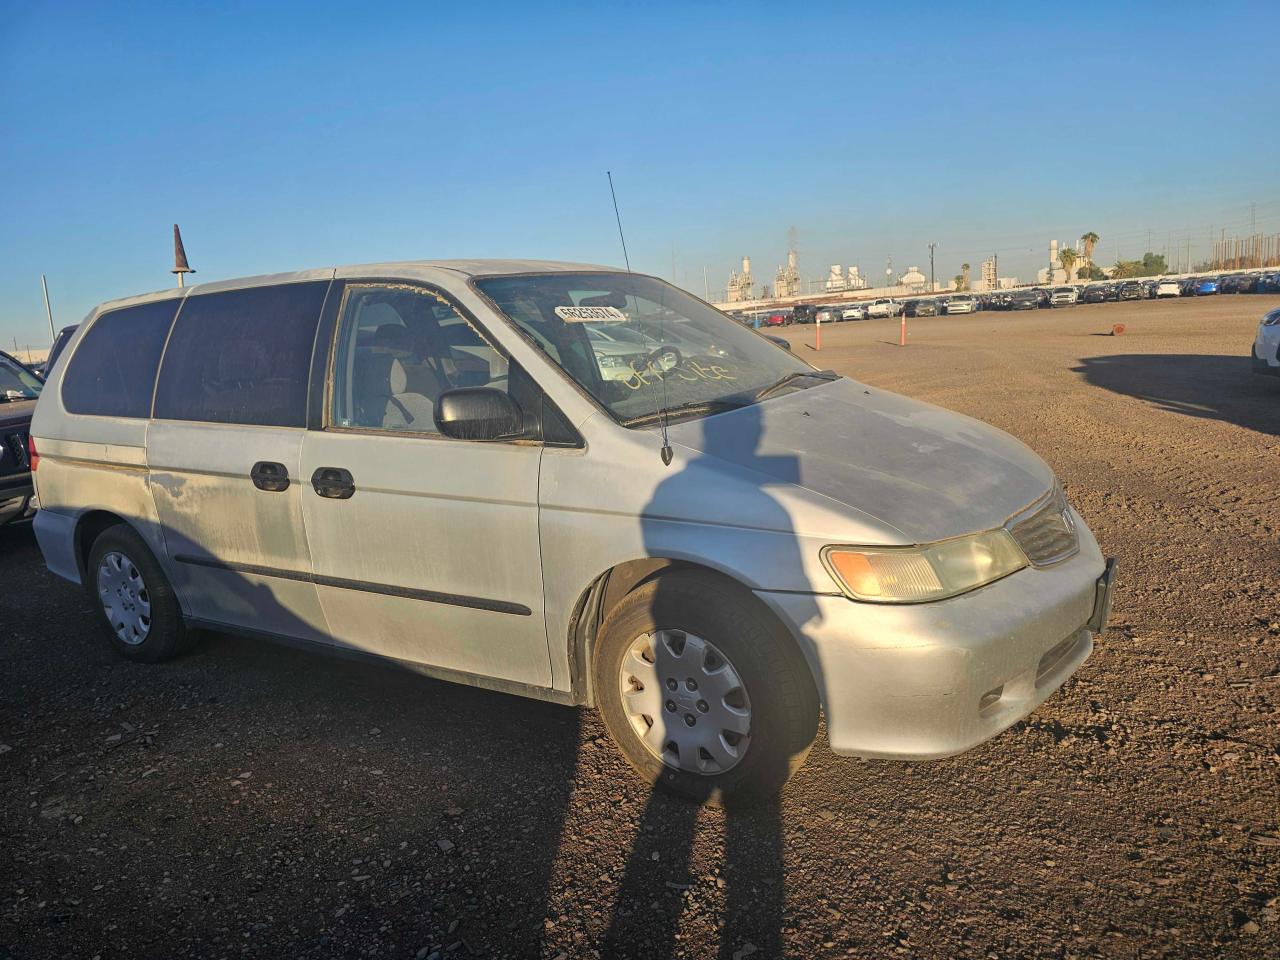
(16, 413)
(925, 472)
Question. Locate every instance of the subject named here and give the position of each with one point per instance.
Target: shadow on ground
(1210, 387)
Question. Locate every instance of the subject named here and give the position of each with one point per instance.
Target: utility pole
(995, 268)
(706, 291)
(933, 286)
(44, 285)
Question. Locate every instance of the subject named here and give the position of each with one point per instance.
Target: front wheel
(702, 689)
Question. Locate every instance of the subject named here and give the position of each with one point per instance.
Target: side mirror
(478, 413)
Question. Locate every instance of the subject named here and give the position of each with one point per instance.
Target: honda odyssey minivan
(438, 464)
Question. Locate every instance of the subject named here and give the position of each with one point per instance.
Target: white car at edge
(1266, 345)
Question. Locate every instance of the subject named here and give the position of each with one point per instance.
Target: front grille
(1047, 534)
(17, 444)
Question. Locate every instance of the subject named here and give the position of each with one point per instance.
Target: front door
(424, 548)
(224, 453)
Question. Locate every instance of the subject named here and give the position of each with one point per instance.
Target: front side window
(17, 382)
(113, 370)
(399, 348)
(242, 356)
(640, 346)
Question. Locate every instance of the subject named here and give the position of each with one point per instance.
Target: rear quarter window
(113, 370)
(242, 356)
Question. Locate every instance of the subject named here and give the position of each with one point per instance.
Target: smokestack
(180, 265)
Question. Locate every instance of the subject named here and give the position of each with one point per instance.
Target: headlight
(920, 574)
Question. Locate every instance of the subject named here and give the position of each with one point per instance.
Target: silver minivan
(573, 483)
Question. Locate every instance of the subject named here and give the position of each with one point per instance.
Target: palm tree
(1090, 240)
(964, 271)
(1067, 257)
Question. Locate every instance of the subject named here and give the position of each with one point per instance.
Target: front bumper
(1261, 365)
(17, 497)
(922, 681)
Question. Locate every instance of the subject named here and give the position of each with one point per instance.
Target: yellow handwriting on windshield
(690, 371)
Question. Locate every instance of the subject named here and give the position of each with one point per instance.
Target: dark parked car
(1205, 286)
(1097, 293)
(1130, 290)
(19, 388)
(59, 344)
(922, 308)
(1023, 300)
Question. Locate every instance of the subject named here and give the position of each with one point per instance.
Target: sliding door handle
(333, 483)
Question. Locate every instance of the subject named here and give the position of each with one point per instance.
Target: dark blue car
(1206, 285)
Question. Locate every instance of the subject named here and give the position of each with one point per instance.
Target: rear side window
(113, 371)
(243, 356)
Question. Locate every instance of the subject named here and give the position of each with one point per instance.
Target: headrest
(393, 338)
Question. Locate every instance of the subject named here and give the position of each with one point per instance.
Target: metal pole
(44, 285)
(933, 285)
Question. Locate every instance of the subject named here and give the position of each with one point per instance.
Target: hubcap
(124, 597)
(685, 702)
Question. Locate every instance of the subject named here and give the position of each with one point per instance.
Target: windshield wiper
(691, 408)
(791, 378)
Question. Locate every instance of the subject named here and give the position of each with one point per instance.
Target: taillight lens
(32, 457)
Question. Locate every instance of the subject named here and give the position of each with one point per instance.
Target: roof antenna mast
(617, 216)
(180, 265)
(666, 444)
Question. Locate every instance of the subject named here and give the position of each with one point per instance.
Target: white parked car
(1266, 345)
(962, 303)
(884, 307)
(1064, 296)
(855, 311)
(1168, 288)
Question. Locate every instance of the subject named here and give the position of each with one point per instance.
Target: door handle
(333, 483)
(270, 476)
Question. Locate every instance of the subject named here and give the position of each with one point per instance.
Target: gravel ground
(250, 800)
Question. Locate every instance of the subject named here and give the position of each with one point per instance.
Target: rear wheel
(702, 689)
(133, 597)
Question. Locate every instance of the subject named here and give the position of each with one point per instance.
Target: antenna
(180, 265)
(618, 217)
(666, 444)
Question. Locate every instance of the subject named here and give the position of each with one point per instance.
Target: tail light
(32, 457)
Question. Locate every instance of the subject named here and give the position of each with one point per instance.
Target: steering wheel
(650, 362)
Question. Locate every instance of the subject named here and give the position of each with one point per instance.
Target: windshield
(638, 345)
(16, 382)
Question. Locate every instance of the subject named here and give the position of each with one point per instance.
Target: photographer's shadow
(661, 865)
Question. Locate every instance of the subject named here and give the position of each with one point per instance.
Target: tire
(134, 601)
(736, 636)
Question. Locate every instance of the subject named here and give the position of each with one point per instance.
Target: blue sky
(287, 136)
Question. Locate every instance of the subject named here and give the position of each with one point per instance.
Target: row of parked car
(1024, 298)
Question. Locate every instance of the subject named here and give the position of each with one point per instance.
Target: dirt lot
(249, 800)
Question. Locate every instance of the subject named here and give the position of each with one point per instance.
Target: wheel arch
(89, 527)
(607, 590)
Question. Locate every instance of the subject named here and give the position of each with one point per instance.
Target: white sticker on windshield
(591, 315)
